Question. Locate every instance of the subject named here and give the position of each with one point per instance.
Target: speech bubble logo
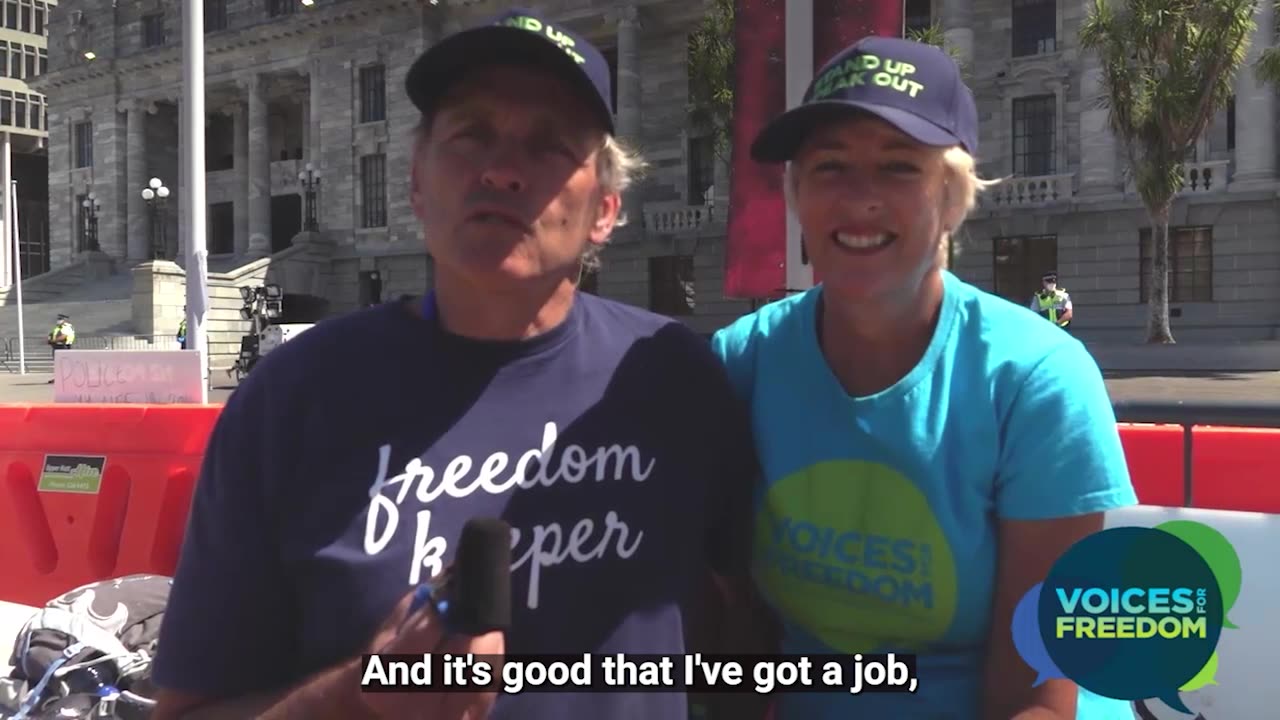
(1131, 613)
(1208, 675)
(1216, 550)
(1028, 640)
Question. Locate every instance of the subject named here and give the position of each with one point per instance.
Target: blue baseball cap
(516, 37)
(915, 87)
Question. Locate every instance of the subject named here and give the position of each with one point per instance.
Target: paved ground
(1149, 385)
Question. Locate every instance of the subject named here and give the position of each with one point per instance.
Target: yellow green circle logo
(851, 552)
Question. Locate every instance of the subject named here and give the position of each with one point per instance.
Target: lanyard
(429, 305)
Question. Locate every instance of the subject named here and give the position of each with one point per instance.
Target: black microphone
(475, 597)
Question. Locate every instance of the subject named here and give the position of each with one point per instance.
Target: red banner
(756, 248)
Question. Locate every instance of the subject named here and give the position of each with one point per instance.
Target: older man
(608, 437)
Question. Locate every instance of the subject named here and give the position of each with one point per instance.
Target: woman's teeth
(863, 242)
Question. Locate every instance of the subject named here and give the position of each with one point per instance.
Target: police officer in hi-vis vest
(62, 336)
(1053, 302)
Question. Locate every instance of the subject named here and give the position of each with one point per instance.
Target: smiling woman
(955, 444)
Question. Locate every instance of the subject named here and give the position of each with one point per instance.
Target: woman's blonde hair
(961, 189)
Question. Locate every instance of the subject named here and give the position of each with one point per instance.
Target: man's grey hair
(618, 166)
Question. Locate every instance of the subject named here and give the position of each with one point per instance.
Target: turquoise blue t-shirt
(876, 523)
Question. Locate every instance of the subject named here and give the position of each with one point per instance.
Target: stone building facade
(24, 118)
(320, 85)
(1068, 204)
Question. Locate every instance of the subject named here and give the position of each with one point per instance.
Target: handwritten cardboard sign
(152, 377)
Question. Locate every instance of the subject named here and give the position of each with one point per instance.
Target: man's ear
(606, 218)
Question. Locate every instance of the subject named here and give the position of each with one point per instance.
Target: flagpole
(194, 181)
(798, 57)
(17, 274)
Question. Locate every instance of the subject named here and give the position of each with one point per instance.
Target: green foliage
(1168, 66)
(934, 35)
(710, 107)
(1268, 64)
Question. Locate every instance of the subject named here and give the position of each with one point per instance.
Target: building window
(11, 15)
(29, 55)
(215, 15)
(40, 18)
(153, 30)
(82, 139)
(222, 228)
(1035, 27)
(671, 290)
(1231, 123)
(81, 242)
(44, 61)
(1018, 262)
(1034, 136)
(20, 110)
(373, 93)
(918, 15)
(373, 190)
(1190, 264)
(277, 8)
(701, 172)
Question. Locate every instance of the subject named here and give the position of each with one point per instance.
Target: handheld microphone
(475, 597)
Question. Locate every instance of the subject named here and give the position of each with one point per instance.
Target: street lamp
(91, 208)
(156, 195)
(310, 179)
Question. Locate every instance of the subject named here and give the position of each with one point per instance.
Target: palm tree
(934, 35)
(1168, 66)
(710, 106)
(1268, 64)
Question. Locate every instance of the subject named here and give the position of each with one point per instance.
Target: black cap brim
(781, 138)
(438, 69)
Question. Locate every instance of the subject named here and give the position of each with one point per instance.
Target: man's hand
(338, 694)
(424, 632)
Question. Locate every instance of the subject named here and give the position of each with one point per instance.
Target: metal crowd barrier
(40, 354)
(1257, 422)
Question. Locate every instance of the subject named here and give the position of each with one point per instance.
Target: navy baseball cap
(516, 37)
(915, 87)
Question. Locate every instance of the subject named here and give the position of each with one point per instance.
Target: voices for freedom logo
(1133, 613)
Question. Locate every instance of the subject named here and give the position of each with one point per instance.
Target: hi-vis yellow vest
(1049, 303)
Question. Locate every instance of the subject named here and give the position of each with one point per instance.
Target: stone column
(259, 154)
(314, 95)
(138, 244)
(240, 162)
(1098, 145)
(1255, 111)
(627, 112)
(7, 274)
(957, 26)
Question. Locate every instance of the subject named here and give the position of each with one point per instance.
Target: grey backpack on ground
(88, 653)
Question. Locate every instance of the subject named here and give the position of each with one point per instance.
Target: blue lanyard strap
(428, 306)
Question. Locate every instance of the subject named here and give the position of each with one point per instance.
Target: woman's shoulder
(769, 320)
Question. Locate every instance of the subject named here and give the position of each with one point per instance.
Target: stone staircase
(140, 309)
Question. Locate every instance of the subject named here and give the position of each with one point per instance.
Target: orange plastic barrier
(1154, 454)
(67, 527)
(1235, 469)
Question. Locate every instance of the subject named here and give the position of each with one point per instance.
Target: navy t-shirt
(342, 470)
